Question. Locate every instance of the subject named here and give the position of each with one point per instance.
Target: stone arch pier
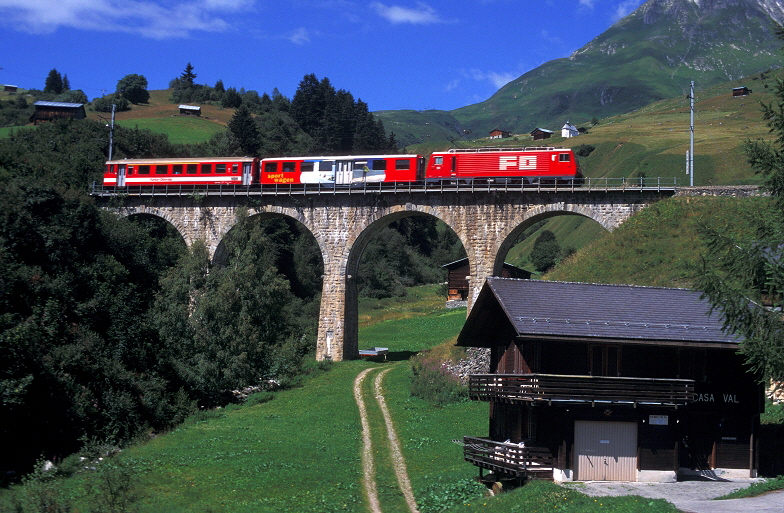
(487, 224)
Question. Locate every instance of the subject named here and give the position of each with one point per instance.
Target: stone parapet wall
(738, 191)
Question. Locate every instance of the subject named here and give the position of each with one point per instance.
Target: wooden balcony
(510, 459)
(563, 389)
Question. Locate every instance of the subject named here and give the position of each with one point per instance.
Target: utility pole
(690, 154)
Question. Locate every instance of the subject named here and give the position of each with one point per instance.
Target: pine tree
(66, 83)
(244, 128)
(188, 76)
(54, 82)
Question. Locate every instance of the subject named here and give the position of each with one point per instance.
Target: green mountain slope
(650, 55)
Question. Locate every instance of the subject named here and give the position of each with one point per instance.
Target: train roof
(499, 150)
(184, 160)
(346, 157)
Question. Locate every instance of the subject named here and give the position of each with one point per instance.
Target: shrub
(431, 381)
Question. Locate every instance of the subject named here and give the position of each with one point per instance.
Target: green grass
(658, 246)
(768, 485)
(180, 129)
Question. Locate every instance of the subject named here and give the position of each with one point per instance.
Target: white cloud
(587, 3)
(423, 14)
(148, 18)
(497, 79)
(625, 8)
(299, 36)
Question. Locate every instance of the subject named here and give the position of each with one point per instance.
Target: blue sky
(393, 54)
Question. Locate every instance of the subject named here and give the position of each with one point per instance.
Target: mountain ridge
(640, 59)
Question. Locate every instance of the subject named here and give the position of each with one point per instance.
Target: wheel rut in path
(398, 461)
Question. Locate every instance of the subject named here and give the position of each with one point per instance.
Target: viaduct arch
(487, 223)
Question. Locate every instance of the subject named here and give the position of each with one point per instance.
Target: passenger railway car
(344, 170)
(495, 165)
(188, 171)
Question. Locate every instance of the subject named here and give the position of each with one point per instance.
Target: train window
(289, 167)
(235, 168)
(144, 170)
(402, 164)
(206, 169)
(177, 169)
(438, 161)
(306, 166)
(161, 169)
(220, 168)
(564, 157)
(379, 165)
(191, 169)
(129, 170)
(270, 167)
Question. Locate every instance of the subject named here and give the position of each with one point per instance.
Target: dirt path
(368, 466)
(394, 446)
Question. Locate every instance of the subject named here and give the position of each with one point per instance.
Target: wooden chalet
(741, 91)
(50, 111)
(609, 382)
(459, 270)
(190, 110)
(539, 134)
(9, 88)
(499, 134)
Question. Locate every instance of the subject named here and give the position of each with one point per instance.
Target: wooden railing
(510, 459)
(554, 388)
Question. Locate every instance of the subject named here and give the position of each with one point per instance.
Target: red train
(490, 165)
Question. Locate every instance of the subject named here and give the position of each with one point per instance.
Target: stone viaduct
(487, 224)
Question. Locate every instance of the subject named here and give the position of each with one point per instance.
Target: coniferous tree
(245, 130)
(54, 82)
(66, 83)
(188, 76)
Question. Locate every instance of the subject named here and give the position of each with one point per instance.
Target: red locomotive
(495, 165)
(486, 165)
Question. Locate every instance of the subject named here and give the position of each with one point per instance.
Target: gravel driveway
(693, 496)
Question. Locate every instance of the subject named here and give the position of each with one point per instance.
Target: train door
(453, 167)
(344, 172)
(121, 175)
(247, 170)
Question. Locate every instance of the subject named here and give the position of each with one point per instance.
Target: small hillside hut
(50, 111)
(741, 91)
(9, 88)
(499, 134)
(592, 382)
(457, 277)
(541, 133)
(190, 110)
(569, 130)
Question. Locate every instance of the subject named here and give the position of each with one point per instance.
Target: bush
(431, 381)
(105, 104)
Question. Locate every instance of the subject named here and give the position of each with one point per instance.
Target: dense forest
(110, 328)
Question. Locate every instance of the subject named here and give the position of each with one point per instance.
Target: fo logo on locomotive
(516, 162)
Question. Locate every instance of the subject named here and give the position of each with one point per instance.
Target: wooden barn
(499, 134)
(741, 91)
(50, 111)
(457, 277)
(190, 110)
(539, 134)
(9, 88)
(610, 383)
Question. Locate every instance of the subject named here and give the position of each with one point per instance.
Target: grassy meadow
(299, 449)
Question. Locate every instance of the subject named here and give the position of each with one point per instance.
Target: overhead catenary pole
(690, 157)
(111, 132)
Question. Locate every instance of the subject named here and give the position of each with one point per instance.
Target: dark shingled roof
(545, 309)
